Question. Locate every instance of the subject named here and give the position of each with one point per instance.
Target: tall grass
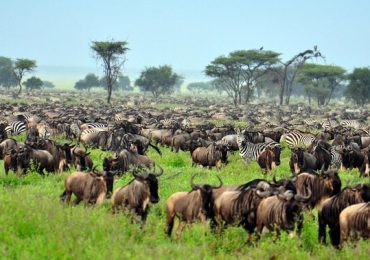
(35, 225)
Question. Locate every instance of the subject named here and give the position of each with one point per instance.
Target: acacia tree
(287, 71)
(7, 77)
(90, 81)
(33, 83)
(21, 67)
(239, 71)
(321, 81)
(111, 53)
(358, 88)
(158, 80)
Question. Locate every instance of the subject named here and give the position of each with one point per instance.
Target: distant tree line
(246, 74)
(13, 72)
(243, 75)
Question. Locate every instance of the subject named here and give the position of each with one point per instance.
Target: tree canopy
(21, 67)
(7, 77)
(33, 83)
(240, 70)
(321, 81)
(158, 80)
(358, 88)
(90, 81)
(111, 53)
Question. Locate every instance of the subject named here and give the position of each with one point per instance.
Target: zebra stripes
(351, 123)
(96, 125)
(251, 151)
(15, 128)
(298, 139)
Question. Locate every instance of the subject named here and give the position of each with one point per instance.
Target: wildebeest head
(297, 160)
(362, 192)
(81, 158)
(331, 181)
(293, 204)
(206, 191)
(23, 159)
(150, 179)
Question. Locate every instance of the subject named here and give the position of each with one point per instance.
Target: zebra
(298, 139)
(15, 128)
(96, 125)
(251, 151)
(169, 123)
(74, 131)
(351, 123)
(336, 158)
(328, 124)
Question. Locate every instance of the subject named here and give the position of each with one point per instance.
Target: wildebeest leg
(180, 227)
(68, 195)
(334, 233)
(77, 201)
(322, 230)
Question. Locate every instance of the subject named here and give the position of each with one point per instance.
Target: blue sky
(185, 34)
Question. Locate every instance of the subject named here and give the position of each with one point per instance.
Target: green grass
(35, 225)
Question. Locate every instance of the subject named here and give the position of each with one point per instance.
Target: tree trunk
(109, 88)
(20, 89)
(281, 96)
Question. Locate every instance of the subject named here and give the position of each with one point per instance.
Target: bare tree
(286, 73)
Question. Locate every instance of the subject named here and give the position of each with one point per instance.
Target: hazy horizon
(187, 35)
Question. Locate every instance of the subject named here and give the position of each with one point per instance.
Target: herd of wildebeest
(321, 143)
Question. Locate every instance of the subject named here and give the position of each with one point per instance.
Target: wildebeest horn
(302, 198)
(160, 172)
(322, 169)
(94, 169)
(262, 194)
(221, 183)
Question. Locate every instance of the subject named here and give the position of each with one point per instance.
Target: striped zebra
(336, 158)
(298, 139)
(15, 128)
(74, 130)
(251, 151)
(351, 123)
(328, 124)
(169, 123)
(96, 125)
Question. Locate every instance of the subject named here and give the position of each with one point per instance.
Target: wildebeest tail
(156, 148)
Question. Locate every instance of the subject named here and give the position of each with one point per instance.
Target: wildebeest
(212, 155)
(237, 206)
(331, 208)
(41, 159)
(302, 161)
(322, 186)
(354, 221)
(10, 161)
(267, 160)
(89, 187)
(353, 158)
(188, 207)
(138, 194)
(282, 211)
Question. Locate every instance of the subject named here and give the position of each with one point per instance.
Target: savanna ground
(35, 225)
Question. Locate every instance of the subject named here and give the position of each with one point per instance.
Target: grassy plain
(35, 225)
